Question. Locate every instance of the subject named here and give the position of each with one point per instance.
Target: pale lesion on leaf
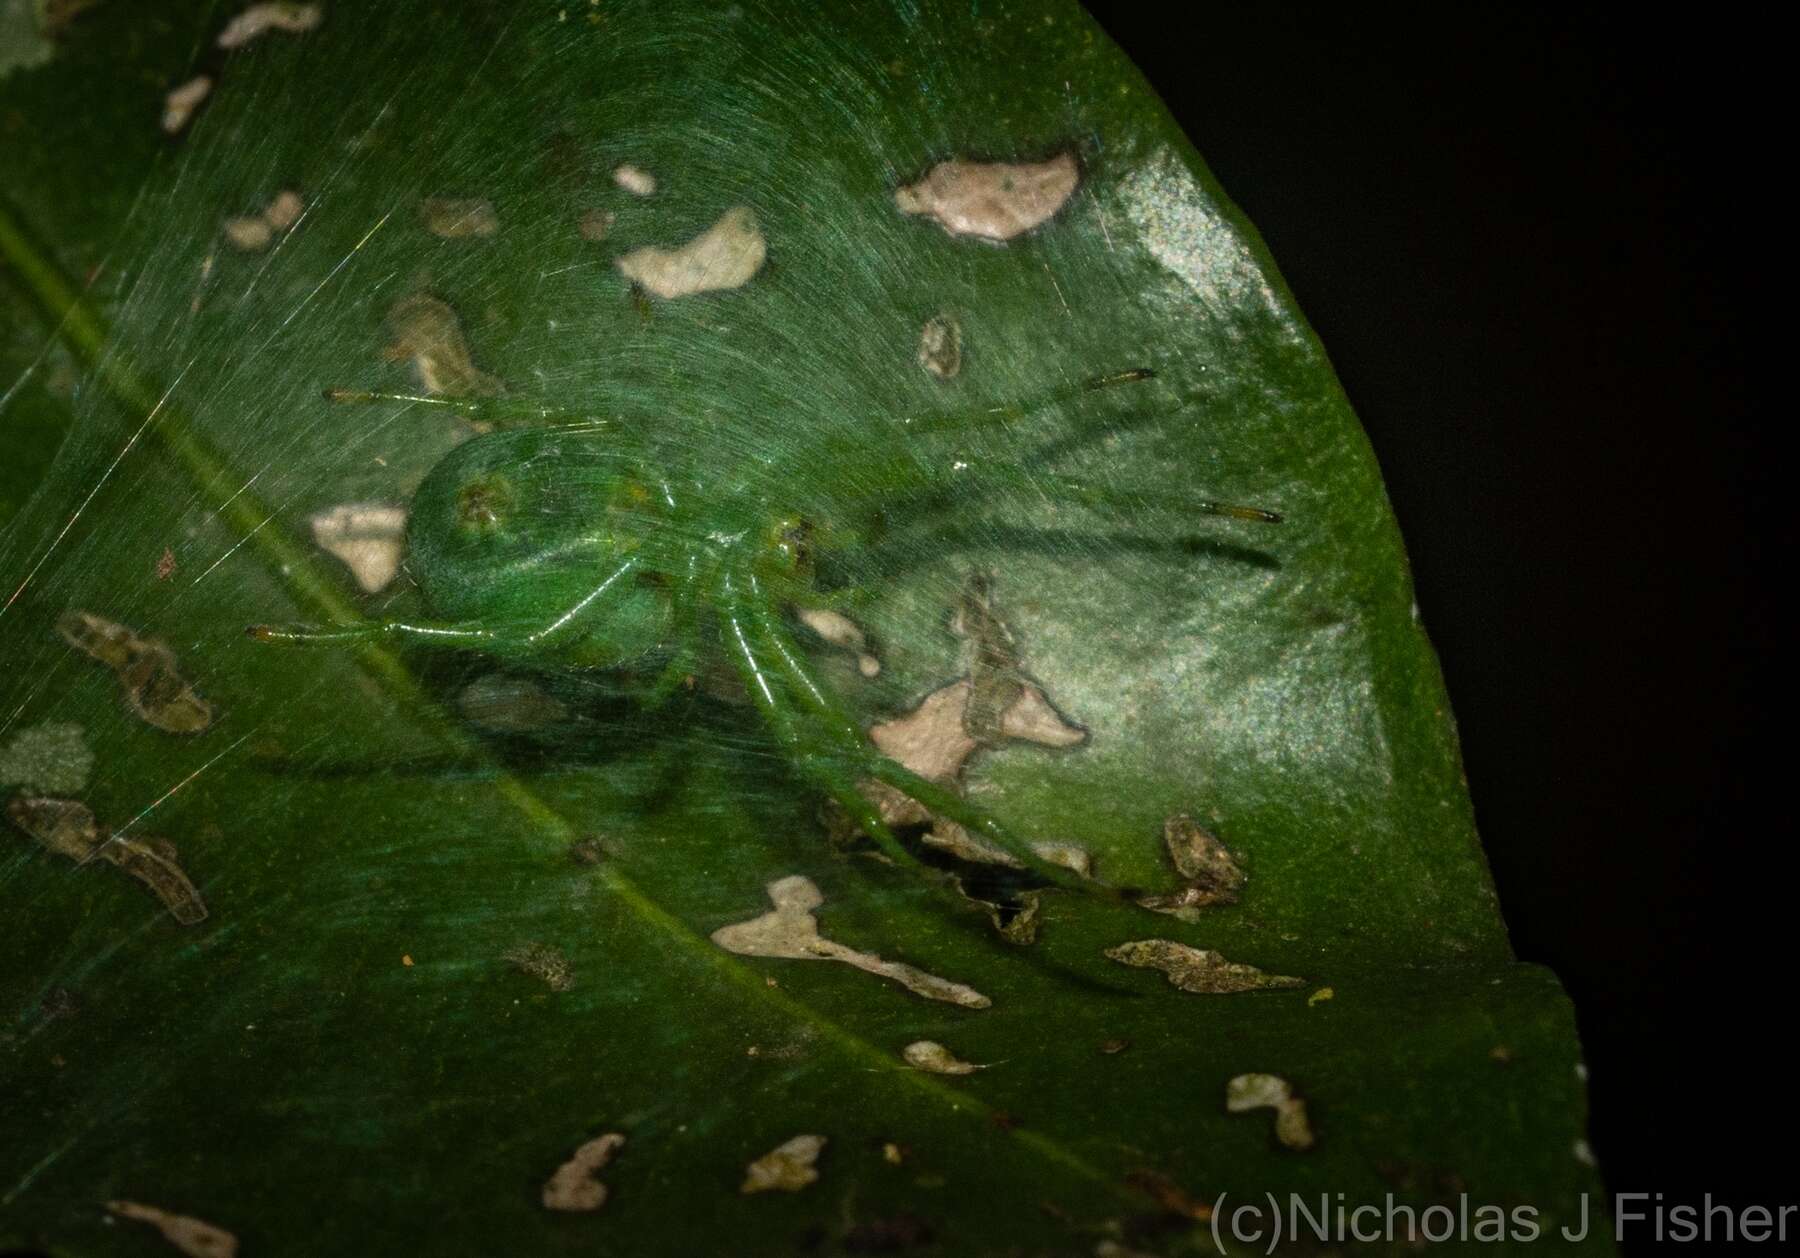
(1199, 970)
(992, 201)
(575, 1185)
(194, 1237)
(459, 218)
(147, 671)
(792, 931)
(69, 828)
(726, 255)
(1210, 871)
(788, 1167)
(994, 702)
(934, 1057)
(543, 961)
(1293, 1128)
(428, 333)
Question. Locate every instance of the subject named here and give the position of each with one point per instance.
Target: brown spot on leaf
(154, 688)
(1212, 873)
(68, 828)
(843, 633)
(588, 851)
(638, 182)
(284, 210)
(930, 740)
(940, 346)
(179, 105)
(459, 218)
(248, 233)
(594, 225)
(428, 334)
(252, 233)
(543, 961)
(933, 739)
(1198, 969)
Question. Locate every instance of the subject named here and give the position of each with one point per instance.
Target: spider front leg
(497, 412)
(569, 625)
(436, 632)
(754, 624)
(684, 658)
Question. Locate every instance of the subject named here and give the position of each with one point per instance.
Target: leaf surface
(460, 913)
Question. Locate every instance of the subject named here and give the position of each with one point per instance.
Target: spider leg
(917, 522)
(774, 700)
(776, 643)
(686, 657)
(501, 412)
(570, 624)
(960, 421)
(468, 633)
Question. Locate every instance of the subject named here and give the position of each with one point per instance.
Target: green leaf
(461, 914)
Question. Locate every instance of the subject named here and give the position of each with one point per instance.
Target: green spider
(566, 540)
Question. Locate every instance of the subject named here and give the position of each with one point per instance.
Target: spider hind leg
(776, 675)
(773, 699)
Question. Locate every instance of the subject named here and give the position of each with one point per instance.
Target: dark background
(1535, 246)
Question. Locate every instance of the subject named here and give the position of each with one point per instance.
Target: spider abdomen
(514, 530)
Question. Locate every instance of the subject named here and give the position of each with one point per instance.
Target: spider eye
(485, 504)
